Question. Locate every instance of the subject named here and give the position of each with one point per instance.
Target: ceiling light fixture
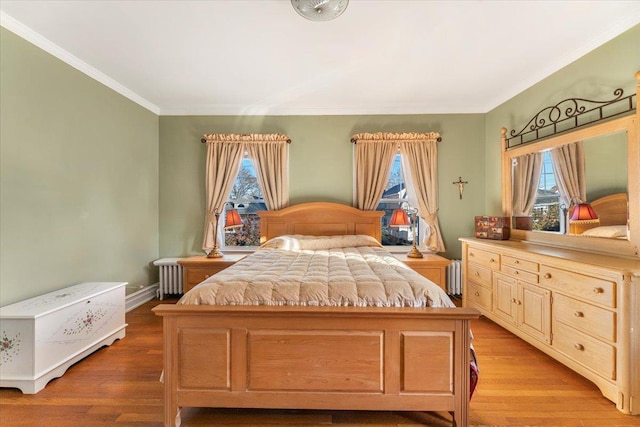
(320, 10)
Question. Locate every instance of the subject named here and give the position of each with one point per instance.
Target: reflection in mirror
(600, 166)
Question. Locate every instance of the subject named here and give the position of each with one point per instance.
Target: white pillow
(611, 231)
(300, 242)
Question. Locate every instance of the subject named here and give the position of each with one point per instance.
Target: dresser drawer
(195, 275)
(587, 318)
(480, 275)
(485, 258)
(520, 264)
(520, 274)
(480, 296)
(588, 351)
(433, 274)
(589, 288)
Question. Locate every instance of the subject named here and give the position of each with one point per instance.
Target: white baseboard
(141, 296)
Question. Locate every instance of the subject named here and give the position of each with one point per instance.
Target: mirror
(612, 180)
(605, 175)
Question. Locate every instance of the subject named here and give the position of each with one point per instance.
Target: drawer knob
(516, 261)
(476, 293)
(518, 302)
(492, 260)
(516, 272)
(547, 275)
(597, 290)
(476, 274)
(579, 347)
(578, 314)
(472, 254)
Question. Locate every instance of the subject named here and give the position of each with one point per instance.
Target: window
(246, 197)
(546, 213)
(395, 194)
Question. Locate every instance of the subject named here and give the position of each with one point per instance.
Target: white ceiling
(260, 57)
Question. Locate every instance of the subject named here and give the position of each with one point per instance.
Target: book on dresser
(42, 336)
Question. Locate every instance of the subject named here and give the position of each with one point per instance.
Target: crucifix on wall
(461, 184)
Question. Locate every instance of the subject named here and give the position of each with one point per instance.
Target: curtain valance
(245, 137)
(396, 136)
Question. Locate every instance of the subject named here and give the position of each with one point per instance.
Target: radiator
(454, 277)
(170, 276)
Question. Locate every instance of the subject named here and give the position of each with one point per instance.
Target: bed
(612, 222)
(314, 356)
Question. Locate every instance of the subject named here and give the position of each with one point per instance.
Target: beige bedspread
(319, 271)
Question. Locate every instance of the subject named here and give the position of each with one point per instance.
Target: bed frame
(339, 358)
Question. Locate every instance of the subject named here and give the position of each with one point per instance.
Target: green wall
(95, 187)
(79, 178)
(594, 76)
(320, 165)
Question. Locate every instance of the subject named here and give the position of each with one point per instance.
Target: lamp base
(414, 253)
(215, 253)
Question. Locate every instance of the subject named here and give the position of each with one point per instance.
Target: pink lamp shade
(399, 218)
(583, 212)
(232, 219)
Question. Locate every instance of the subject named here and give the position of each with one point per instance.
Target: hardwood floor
(119, 386)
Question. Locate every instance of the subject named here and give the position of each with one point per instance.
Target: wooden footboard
(403, 359)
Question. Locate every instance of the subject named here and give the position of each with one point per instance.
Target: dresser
(580, 308)
(197, 268)
(431, 266)
(41, 337)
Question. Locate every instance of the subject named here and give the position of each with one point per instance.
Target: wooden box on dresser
(43, 336)
(583, 309)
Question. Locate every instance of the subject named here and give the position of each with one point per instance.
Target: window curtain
(270, 157)
(223, 162)
(526, 177)
(373, 162)
(224, 154)
(420, 154)
(374, 157)
(569, 168)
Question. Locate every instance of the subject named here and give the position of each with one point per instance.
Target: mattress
(319, 271)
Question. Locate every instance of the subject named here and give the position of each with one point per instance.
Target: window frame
(547, 171)
(232, 204)
(421, 227)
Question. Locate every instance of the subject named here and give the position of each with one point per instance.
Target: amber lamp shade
(582, 218)
(583, 212)
(232, 220)
(399, 218)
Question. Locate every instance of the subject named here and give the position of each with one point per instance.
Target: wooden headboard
(319, 219)
(612, 209)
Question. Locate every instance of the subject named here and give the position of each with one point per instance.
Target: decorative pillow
(300, 242)
(611, 231)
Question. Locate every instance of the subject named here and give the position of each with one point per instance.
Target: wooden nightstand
(432, 266)
(197, 268)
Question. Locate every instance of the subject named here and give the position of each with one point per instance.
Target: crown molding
(43, 43)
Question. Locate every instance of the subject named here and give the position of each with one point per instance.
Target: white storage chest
(42, 336)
